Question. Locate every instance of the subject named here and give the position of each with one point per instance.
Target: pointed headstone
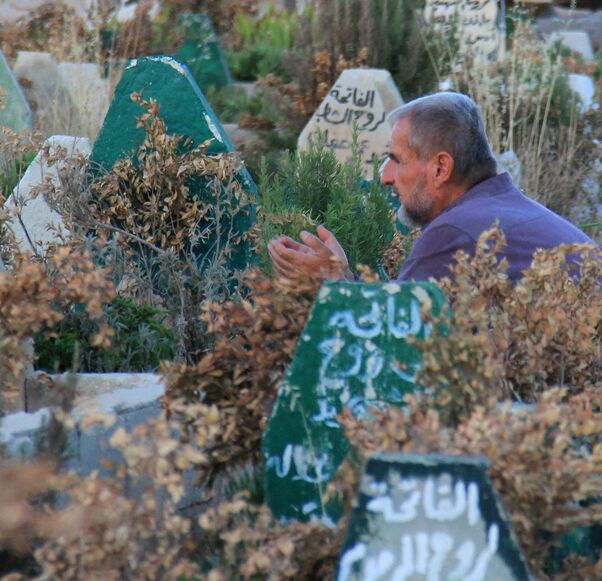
(34, 224)
(353, 354)
(362, 98)
(14, 109)
(475, 23)
(186, 112)
(202, 52)
(89, 93)
(53, 109)
(429, 517)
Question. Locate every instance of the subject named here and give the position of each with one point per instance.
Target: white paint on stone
(38, 224)
(90, 94)
(173, 63)
(585, 88)
(213, 128)
(576, 40)
(361, 97)
(475, 22)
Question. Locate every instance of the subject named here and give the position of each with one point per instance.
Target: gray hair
(450, 122)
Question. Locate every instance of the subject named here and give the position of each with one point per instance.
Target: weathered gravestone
(186, 112)
(576, 40)
(362, 98)
(14, 109)
(429, 517)
(475, 24)
(583, 86)
(352, 354)
(90, 94)
(34, 224)
(201, 51)
(53, 109)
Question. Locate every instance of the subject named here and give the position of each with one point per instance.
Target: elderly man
(443, 170)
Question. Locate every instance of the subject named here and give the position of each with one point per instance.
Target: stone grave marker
(352, 354)
(429, 517)
(53, 109)
(576, 40)
(90, 94)
(186, 112)
(201, 51)
(475, 23)
(584, 87)
(360, 97)
(14, 111)
(37, 224)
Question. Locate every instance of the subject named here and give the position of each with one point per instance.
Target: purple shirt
(527, 225)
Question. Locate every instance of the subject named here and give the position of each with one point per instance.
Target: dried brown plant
(255, 341)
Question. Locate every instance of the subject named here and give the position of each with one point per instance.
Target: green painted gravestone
(201, 51)
(429, 517)
(14, 109)
(186, 112)
(352, 354)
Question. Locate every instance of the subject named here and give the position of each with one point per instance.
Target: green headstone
(429, 517)
(201, 51)
(14, 109)
(186, 112)
(352, 354)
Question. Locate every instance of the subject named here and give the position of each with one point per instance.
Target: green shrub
(141, 341)
(311, 187)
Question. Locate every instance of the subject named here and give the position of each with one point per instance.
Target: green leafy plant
(140, 340)
(311, 187)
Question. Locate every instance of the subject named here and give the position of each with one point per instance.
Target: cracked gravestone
(32, 221)
(201, 51)
(473, 23)
(429, 517)
(186, 112)
(353, 354)
(362, 98)
(14, 109)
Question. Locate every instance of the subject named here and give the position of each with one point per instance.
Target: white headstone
(360, 97)
(575, 40)
(585, 88)
(127, 9)
(90, 94)
(508, 161)
(51, 103)
(37, 223)
(475, 23)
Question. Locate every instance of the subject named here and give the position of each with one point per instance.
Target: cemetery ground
(258, 410)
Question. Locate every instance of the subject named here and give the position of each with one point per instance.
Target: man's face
(407, 175)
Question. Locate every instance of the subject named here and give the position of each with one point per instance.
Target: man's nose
(385, 173)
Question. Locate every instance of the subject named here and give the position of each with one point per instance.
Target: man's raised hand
(315, 256)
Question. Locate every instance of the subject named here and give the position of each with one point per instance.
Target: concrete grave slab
(556, 18)
(353, 354)
(363, 97)
(14, 111)
(575, 40)
(474, 22)
(186, 112)
(37, 225)
(202, 52)
(90, 94)
(429, 517)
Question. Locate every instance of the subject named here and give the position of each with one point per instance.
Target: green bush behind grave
(140, 343)
(310, 188)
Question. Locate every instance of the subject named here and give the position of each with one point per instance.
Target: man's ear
(442, 168)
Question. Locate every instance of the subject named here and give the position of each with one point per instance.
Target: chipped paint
(213, 128)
